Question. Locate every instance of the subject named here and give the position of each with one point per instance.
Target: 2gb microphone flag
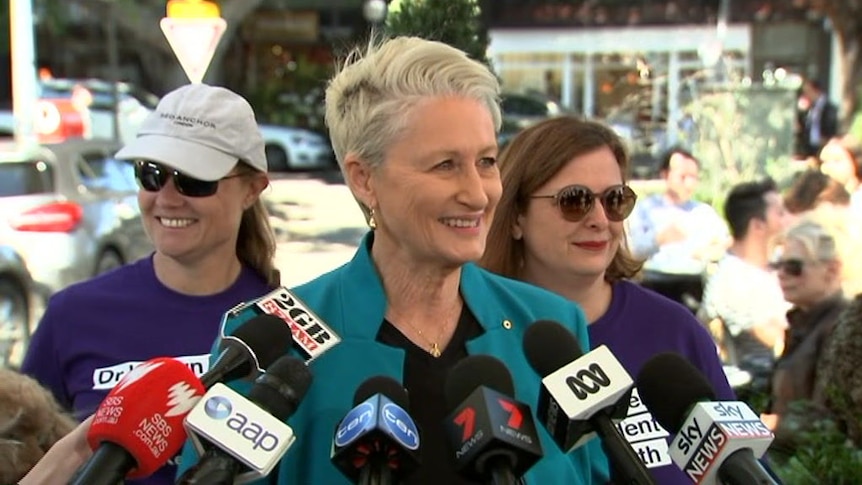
(311, 336)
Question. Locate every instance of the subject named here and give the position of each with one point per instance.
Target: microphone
(582, 394)
(138, 426)
(715, 442)
(254, 346)
(493, 436)
(377, 442)
(246, 433)
(311, 336)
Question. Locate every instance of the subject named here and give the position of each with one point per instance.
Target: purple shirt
(93, 332)
(639, 324)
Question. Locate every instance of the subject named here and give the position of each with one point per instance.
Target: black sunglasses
(576, 201)
(790, 266)
(153, 176)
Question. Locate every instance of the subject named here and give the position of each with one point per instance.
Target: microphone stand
(376, 472)
(622, 457)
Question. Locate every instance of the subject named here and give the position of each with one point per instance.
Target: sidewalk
(317, 225)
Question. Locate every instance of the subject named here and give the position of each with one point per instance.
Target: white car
(295, 149)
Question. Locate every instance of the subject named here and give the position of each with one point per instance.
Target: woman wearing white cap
(199, 159)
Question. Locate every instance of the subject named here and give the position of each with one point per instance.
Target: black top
(424, 378)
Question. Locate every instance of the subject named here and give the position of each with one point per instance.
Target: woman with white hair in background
(809, 271)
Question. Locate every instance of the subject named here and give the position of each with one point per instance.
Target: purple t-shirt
(93, 332)
(639, 324)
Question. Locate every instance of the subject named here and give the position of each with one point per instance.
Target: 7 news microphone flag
(493, 436)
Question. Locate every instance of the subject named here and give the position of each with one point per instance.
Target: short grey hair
(815, 238)
(369, 99)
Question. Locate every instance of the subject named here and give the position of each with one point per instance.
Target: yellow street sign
(192, 9)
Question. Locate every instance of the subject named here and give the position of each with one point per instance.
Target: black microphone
(493, 436)
(278, 392)
(377, 442)
(581, 394)
(255, 345)
(716, 442)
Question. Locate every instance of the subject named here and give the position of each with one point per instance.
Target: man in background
(742, 300)
(820, 120)
(675, 234)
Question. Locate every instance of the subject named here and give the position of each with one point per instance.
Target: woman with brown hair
(560, 226)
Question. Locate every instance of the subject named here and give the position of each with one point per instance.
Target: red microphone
(139, 425)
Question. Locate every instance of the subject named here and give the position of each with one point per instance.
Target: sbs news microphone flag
(138, 427)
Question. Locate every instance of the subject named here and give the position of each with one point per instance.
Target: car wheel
(277, 159)
(107, 261)
(14, 324)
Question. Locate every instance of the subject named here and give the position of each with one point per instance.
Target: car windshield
(25, 178)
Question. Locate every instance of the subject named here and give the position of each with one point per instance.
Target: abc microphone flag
(575, 386)
(138, 427)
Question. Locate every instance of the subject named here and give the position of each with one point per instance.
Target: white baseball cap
(200, 130)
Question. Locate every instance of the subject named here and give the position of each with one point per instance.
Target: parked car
(523, 110)
(16, 290)
(70, 209)
(84, 108)
(294, 149)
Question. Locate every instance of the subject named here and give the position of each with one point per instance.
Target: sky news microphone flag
(715, 442)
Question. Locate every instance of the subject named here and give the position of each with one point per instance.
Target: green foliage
(293, 96)
(824, 456)
(740, 134)
(454, 22)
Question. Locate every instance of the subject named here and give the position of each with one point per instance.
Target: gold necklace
(434, 347)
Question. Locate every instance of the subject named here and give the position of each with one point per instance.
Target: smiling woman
(200, 164)
(413, 124)
(560, 225)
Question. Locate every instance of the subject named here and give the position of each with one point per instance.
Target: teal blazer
(351, 301)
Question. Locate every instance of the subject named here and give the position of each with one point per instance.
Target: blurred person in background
(839, 371)
(560, 226)
(414, 127)
(31, 422)
(841, 159)
(812, 189)
(743, 303)
(809, 271)
(676, 235)
(813, 195)
(820, 122)
(199, 160)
